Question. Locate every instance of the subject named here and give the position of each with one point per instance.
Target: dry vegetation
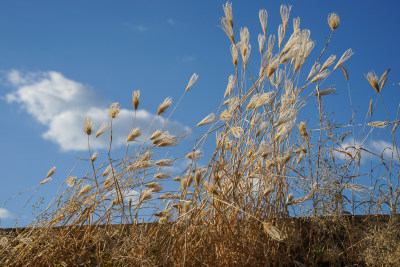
(274, 191)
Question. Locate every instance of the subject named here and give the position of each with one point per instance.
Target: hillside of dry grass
(345, 240)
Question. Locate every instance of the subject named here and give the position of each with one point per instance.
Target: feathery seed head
(70, 181)
(47, 180)
(192, 80)
(263, 67)
(232, 102)
(230, 86)
(328, 63)
(372, 79)
(273, 65)
(106, 171)
(186, 206)
(227, 27)
(306, 47)
(210, 118)
(263, 99)
(162, 175)
(163, 220)
(379, 124)
(333, 20)
(268, 190)
(164, 139)
(164, 105)
(252, 102)
(225, 115)
(84, 190)
(51, 172)
(94, 156)
(114, 110)
(155, 135)
(164, 163)
(234, 52)
(104, 126)
(244, 39)
(245, 47)
(272, 231)
(264, 62)
(116, 201)
(177, 179)
(320, 76)
(228, 13)
(146, 155)
(281, 35)
(162, 213)
(263, 15)
(154, 187)
(256, 119)
(237, 131)
(283, 130)
(133, 134)
(165, 196)
(187, 181)
(314, 69)
(246, 56)
(261, 128)
(293, 41)
(88, 125)
(358, 188)
(285, 12)
(135, 99)
(210, 188)
(147, 194)
(329, 91)
(195, 154)
(289, 199)
(4, 242)
(197, 176)
(271, 42)
(291, 54)
(301, 156)
(296, 25)
(279, 76)
(346, 55)
(26, 240)
(109, 181)
(383, 78)
(261, 42)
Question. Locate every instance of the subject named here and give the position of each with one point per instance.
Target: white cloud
(139, 28)
(171, 21)
(5, 214)
(188, 59)
(132, 195)
(62, 105)
(46, 94)
(368, 150)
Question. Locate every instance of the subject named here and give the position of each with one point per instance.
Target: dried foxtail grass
(251, 191)
(333, 21)
(164, 105)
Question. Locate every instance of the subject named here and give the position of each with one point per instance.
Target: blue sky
(98, 52)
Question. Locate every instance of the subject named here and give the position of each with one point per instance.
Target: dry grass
(274, 190)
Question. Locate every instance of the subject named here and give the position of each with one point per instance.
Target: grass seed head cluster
(274, 189)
